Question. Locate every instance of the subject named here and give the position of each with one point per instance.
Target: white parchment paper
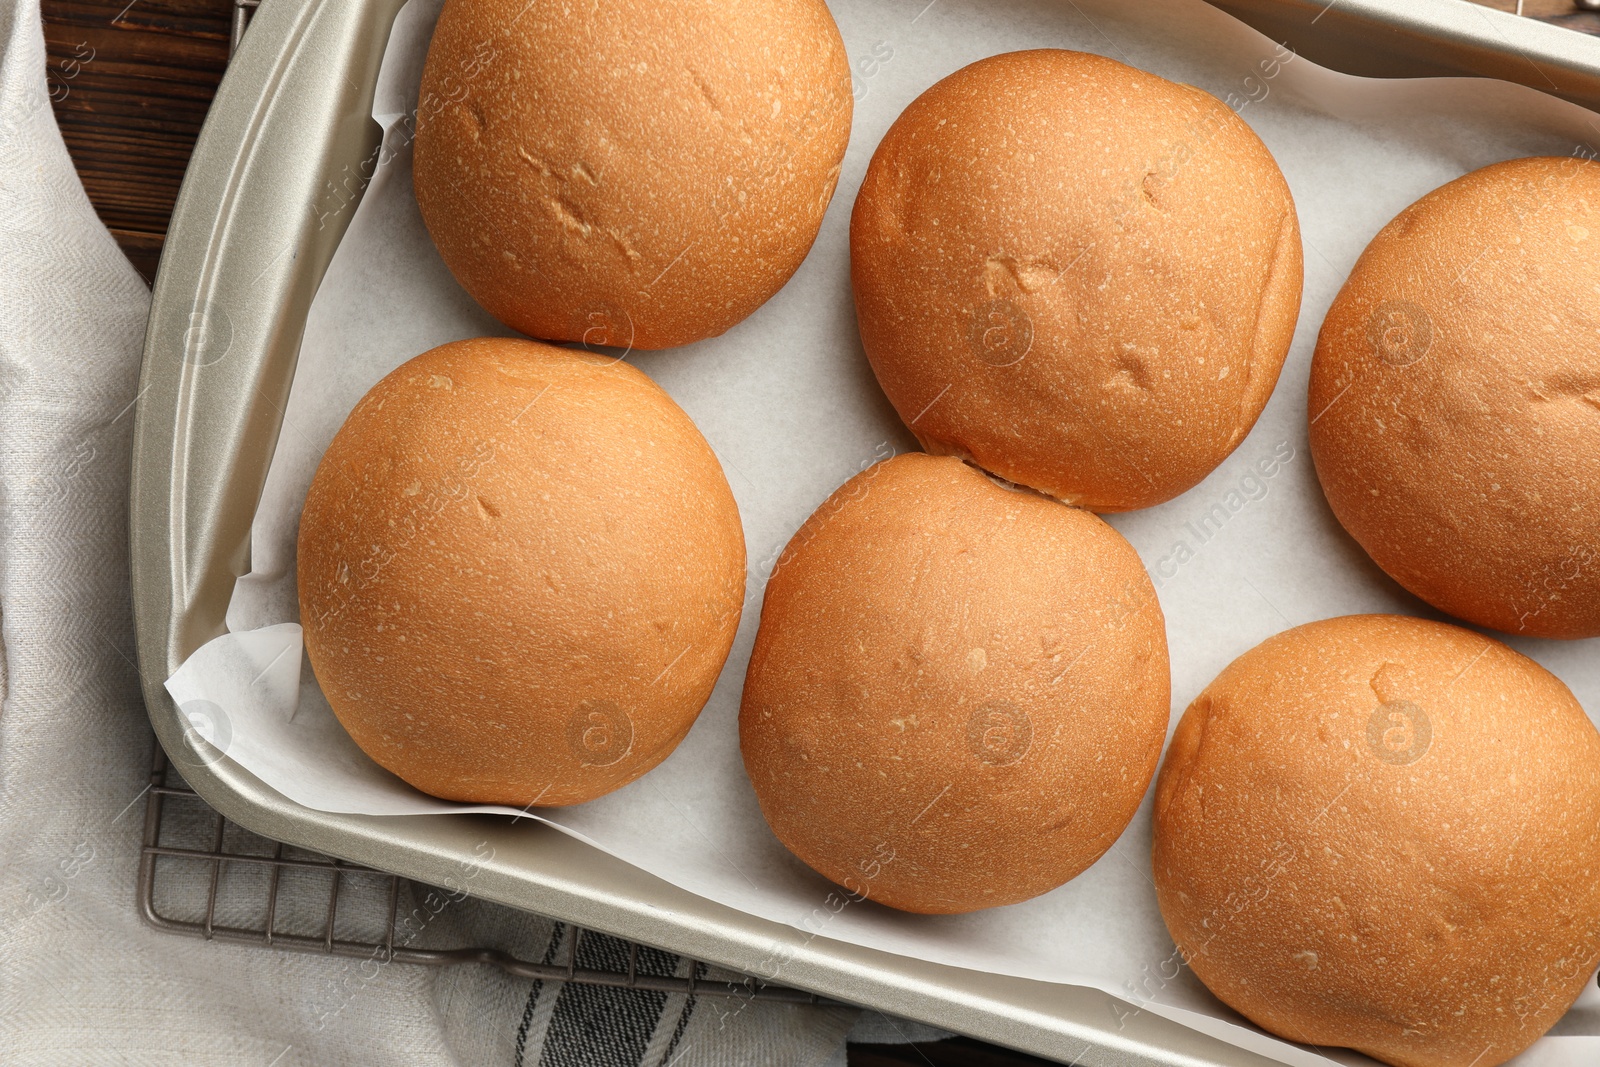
(790, 405)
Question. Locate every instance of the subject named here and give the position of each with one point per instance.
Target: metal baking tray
(287, 149)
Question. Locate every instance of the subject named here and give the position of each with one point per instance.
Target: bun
(958, 693)
(636, 174)
(1083, 277)
(520, 572)
(1383, 833)
(1455, 398)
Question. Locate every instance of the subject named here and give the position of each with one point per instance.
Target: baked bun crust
(1455, 398)
(1383, 833)
(1081, 276)
(520, 572)
(639, 174)
(958, 693)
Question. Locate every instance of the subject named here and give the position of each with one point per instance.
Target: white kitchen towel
(82, 980)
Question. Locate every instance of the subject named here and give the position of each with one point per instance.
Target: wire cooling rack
(190, 847)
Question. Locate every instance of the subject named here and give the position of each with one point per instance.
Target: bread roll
(520, 572)
(1081, 276)
(958, 693)
(640, 174)
(1384, 833)
(1455, 398)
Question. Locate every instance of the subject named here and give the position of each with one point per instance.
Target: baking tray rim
(185, 513)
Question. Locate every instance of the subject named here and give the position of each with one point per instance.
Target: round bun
(1083, 277)
(520, 572)
(1455, 398)
(1384, 834)
(636, 174)
(959, 691)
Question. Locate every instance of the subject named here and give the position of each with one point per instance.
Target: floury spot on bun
(959, 691)
(520, 572)
(640, 174)
(1455, 398)
(1383, 833)
(1081, 276)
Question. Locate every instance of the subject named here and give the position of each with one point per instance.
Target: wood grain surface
(131, 83)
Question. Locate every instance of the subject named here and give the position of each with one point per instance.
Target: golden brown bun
(1383, 833)
(958, 693)
(1455, 398)
(520, 572)
(1081, 276)
(640, 173)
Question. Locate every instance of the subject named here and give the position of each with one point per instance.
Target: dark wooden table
(131, 82)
